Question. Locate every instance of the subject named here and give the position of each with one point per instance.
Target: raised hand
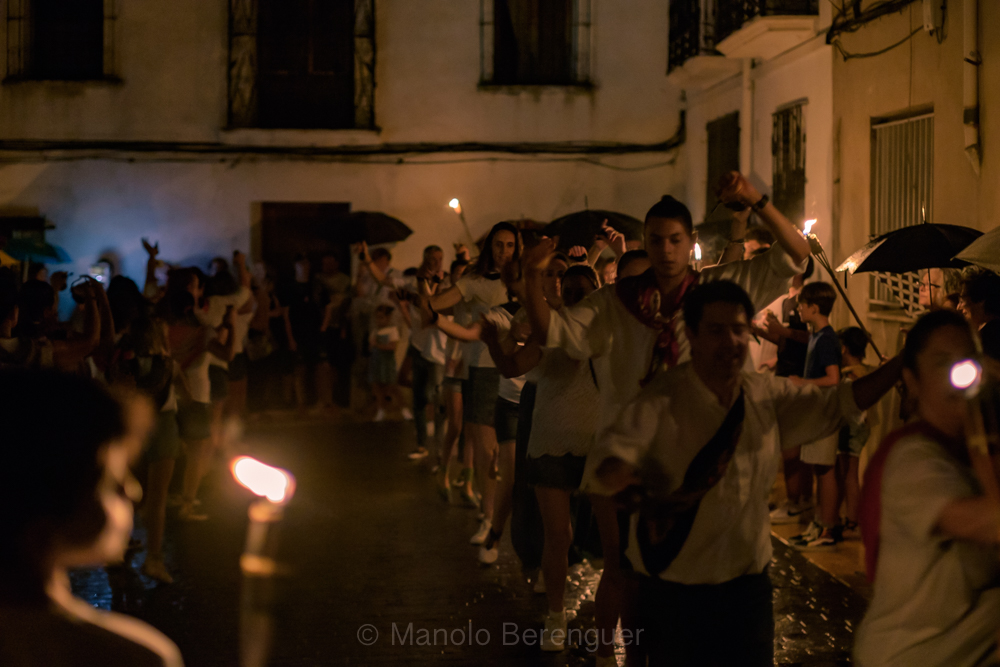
(734, 188)
(461, 252)
(151, 250)
(538, 258)
(577, 253)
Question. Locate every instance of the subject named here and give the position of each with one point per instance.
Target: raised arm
(737, 234)
(67, 354)
(447, 299)
(870, 389)
(734, 187)
(150, 288)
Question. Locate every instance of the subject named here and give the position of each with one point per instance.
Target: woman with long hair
(482, 289)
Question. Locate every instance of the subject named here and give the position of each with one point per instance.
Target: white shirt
(565, 414)
(670, 421)
(601, 327)
(480, 294)
(430, 341)
(936, 600)
(216, 312)
(509, 388)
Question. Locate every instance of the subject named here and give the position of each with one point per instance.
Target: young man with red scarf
(634, 328)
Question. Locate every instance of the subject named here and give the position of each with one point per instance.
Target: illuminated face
(719, 347)
(669, 246)
(937, 400)
(974, 312)
(504, 243)
(552, 280)
(433, 261)
(609, 273)
(932, 294)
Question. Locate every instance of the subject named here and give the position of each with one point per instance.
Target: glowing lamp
(965, 375)
(808, 225)
(263, 480)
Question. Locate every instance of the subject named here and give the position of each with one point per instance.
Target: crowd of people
(661, 398)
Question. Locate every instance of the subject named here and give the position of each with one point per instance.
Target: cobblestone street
(368, 542)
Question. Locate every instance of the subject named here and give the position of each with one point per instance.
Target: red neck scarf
(642, 297)
(870, 510)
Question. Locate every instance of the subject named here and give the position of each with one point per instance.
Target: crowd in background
(527, 374)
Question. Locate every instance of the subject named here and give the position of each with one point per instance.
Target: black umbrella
(914, 248)
(373, 228)
(580, 228)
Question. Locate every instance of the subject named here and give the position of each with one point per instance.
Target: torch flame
(697, 252)
(456, 205)
(965, 375)
(808, 225)
(272, 483)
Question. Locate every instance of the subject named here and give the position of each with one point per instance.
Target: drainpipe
(970, 81)
(746, 120)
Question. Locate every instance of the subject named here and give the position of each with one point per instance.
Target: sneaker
(484, 530)
(490, 551)
(848, 530)
(825, 541)
(417, 454)
(811, 533)
(407, 414)
(539, 586)
(155, 569)
(790, 513)
(379, 416)
(554, 634)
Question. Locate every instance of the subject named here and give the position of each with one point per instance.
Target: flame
(456, 205)
(697, 252)
(808, 225)
(272, 483)
(965, 374)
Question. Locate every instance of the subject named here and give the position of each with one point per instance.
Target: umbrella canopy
(580, 228)
(34, 251)
(984, 251)
(6, 260)
(914, 248)
(373, 228)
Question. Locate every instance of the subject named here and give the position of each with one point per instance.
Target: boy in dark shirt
(822, 368)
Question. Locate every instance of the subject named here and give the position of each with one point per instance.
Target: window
(61, 40)
(535, 42)
(788, 162)
(902, 193)
(723, 157)
(301, 64)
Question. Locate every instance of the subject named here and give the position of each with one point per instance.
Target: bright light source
(455, 204)
(808, 225)
(272, 483)
(965, 374)
(697, 252)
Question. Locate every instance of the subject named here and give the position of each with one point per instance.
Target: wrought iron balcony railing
(691, 31)
(732, 14)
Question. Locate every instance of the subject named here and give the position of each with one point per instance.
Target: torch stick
(967, 376)
(820, 254)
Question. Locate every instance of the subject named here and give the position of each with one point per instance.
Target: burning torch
(967, 377)
(258, 562)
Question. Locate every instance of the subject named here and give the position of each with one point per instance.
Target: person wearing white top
(482, 289)
(701, 444)
(634, 328)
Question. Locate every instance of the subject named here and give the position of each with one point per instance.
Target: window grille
(691, 31)
(788, 162)
(902, 194)
(535, 42)
(304, 64)
(61, 40)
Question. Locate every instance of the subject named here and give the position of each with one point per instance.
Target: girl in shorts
(382, 372)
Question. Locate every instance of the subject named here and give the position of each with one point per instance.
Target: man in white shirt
(703, 442)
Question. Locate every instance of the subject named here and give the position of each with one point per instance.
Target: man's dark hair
(761, 235)
(379, 253)
(432, 248)
(983, 287)
(821, 295)
(854, 340)
(52, 466)
(629, 257)
(921, 332)
(671, 209)
(719, 291)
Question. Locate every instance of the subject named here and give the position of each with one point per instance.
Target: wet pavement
(381, 572)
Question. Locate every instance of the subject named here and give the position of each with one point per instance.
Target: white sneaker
(490, 550)
(380, 415)
(407, 414)
(539, 584)
(811, 533)
(484, 530)
(791, 513)
(554, 634)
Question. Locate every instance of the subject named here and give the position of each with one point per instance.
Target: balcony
(693, 61)
(763, 28)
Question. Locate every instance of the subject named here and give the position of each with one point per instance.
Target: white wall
(172, 59)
